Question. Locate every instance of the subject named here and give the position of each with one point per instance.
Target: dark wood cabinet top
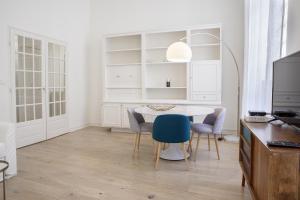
(267, 132)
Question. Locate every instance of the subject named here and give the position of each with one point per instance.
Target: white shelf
(205, 45)
(123, 42)
(161, 63)
(156, 48)
(120, 87)
(163, 39)
(165, 87)
(122, 50)
(121, 64)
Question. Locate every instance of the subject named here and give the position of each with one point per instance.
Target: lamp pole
(236, 67)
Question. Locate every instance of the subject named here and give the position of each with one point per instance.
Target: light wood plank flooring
(92, 164)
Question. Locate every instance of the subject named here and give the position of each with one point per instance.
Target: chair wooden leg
(154, 149)
(190, 147)
(217, 148)
(243, 181)
(157, 155)
(135, 143)
(185, 156)
(208, 142)
(196, 150)
(139, 141)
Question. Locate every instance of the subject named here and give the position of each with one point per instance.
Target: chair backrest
(171, 128)
(216, 120)
(220, 117)
(135, 119)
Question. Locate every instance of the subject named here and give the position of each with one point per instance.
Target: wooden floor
(92, 164)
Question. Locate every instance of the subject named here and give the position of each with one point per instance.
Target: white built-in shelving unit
(136, 71)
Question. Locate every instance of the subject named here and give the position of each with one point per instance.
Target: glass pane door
(56, 80)
(28, 79)
(40, 87)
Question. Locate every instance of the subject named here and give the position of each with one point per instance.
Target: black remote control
(283, 144)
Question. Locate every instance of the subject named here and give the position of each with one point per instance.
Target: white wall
(66, 20)
(115, 16)
(293, 32)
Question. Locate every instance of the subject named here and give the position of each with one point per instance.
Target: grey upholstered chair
(212, 124)
(138, 125)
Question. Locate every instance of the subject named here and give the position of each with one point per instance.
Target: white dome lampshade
(179, 52)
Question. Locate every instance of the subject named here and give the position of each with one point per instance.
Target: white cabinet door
(125, 120)
(124, 76)
(111, 115)
(206, 81)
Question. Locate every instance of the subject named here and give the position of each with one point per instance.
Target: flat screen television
(286, 89)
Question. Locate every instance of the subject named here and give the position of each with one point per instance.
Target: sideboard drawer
(246, 149)
(246, 135)
(245, 163)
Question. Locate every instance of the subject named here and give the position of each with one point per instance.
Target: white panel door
(29, 86)
(39, 87)
(57, 120)
(111, 115)
(205, 81)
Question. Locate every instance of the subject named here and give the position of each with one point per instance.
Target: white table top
(3, 166)
(181, 110)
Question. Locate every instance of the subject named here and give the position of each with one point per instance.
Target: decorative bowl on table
(162, 107)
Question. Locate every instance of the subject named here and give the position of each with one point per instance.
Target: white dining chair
(138, 125)
(212, 124)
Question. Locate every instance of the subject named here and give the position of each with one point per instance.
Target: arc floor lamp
(181, 52)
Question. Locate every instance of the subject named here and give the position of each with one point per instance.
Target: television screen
(286, 89)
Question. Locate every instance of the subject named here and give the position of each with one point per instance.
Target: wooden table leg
(243, 181)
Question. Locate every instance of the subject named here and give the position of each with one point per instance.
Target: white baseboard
(94, 124)
(229, 132)
(72, 129)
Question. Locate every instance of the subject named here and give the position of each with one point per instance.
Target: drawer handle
(118, 76)
(130, 76)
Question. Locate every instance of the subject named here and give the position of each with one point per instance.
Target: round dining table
(173, 151)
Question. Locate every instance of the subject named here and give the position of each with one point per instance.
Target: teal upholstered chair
(171, 129)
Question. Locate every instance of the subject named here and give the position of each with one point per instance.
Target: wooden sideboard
(272, 173)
